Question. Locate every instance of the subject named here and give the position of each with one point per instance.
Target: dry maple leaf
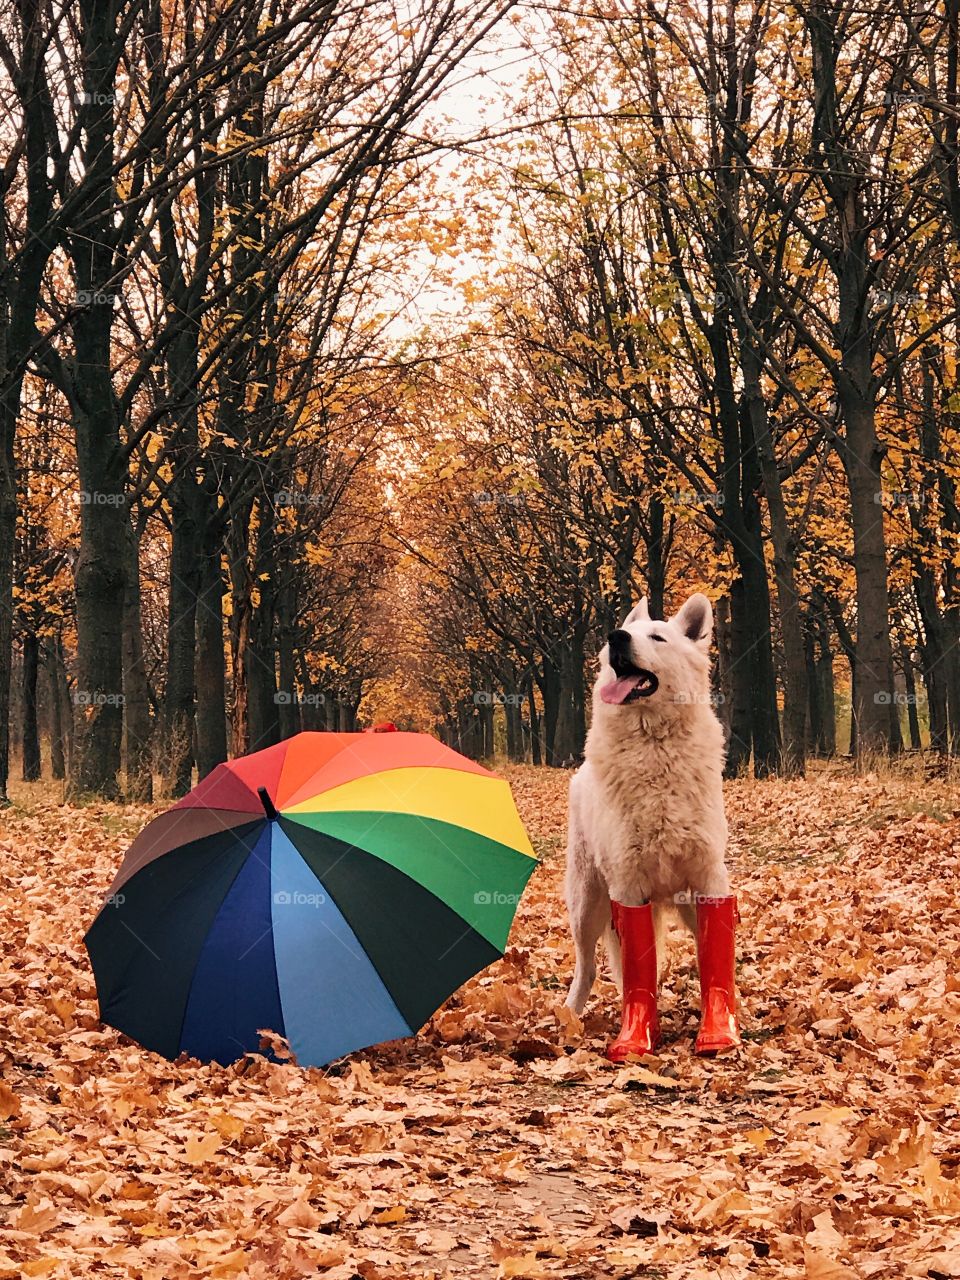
(36, 1216)
(227, 1126)
(388, 1217)
(200, 1149)
(300, 1214)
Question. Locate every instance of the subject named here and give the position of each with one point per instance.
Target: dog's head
(655, 665)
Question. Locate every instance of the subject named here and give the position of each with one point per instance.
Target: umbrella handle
(269, 808)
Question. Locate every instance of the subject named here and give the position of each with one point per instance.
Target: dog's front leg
(588, 907)
(635, 928)
(716, 923)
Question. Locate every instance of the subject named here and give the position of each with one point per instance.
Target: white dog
(647, 827)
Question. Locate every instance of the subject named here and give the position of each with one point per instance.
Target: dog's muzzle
(632, 682)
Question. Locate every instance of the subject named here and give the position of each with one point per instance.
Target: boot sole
(615, 1054)
(709, 1048)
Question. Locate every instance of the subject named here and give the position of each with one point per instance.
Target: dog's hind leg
(660, 923)
(715, 915)
(611, 945)
(589, 909)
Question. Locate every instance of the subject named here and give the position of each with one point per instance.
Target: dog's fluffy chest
(653, 808)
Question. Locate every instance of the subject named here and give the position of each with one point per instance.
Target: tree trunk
(240, 617)
(550, 693)
(849, 647)
(842, 175)
(58, 758)
(290, 708)
(757, 660)
(66, 703)
(656, 559)
(211, 713)
(737, 676)
(136, 697)
(101, 463)
(100, 590)
(910, 685)
(185, 585)
(896, 732)
(579, 692)
(313, 710)
(827, 691)
(513, 720)
(20, 283)
(9, 404)
(722, 678)
(536, 745)
(261, 680)
(861, 460)
(570, 730)
(784, 559)
(31, 728)
(740, 519)
(953, 698)
(932, 651)
(814, 724)
(487, 747)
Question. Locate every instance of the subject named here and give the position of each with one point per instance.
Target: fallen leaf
(9, 1102)
(198, 1150)
(36, 1216)
(386, 1217)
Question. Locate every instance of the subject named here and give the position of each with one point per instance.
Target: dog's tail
(611, 945)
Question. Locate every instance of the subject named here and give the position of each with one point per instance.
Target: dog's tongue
(617, 691)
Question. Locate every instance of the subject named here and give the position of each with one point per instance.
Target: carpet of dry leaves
(500, 1143)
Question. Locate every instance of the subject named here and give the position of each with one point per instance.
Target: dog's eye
(654, 636)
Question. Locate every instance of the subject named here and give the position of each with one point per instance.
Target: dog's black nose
(619, 642)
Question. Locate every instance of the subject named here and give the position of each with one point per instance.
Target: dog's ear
(639, 613)
(695, 620)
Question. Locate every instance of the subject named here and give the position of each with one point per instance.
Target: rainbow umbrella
(335, 889)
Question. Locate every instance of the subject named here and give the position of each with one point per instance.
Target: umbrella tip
(269, 808)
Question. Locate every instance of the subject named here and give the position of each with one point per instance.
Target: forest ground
(499, 1143)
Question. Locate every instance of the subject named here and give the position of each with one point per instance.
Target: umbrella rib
(452, 945)
(256, 943)
(133, 934)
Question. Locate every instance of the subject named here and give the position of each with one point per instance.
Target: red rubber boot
(716, 931)
(638, 952)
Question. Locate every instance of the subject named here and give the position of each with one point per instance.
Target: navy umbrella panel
(222, 924)
(278, 926)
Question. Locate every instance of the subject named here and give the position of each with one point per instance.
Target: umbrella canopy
(335, 889)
